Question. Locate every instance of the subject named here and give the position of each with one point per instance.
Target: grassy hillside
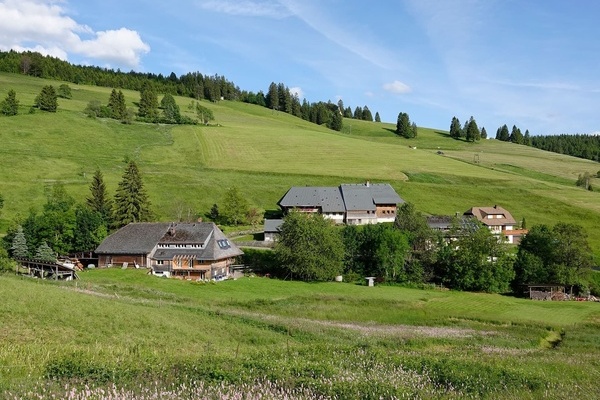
(338, 339)
(188, 168)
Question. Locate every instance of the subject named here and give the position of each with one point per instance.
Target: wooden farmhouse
(499, 221)
(197, 250)
(352, 204)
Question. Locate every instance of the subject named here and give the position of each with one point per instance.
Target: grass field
(330, 339)
(188, 168)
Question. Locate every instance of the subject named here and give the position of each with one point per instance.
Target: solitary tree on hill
(131, 201)
(455, 128)
(10, 105)
(404, 127)
(47, 100)
(64, 91)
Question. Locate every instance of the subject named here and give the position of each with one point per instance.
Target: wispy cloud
(246, 8)
(44, 23)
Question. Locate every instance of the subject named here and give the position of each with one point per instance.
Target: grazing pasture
(123, 331)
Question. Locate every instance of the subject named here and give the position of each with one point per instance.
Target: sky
(534, 64)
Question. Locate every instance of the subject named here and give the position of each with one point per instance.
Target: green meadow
(188, 168)
(134, 330)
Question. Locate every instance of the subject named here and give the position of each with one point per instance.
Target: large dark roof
(135, 238)
(343, 198)
(143, 238)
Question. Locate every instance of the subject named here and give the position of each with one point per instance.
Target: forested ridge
(582, 146)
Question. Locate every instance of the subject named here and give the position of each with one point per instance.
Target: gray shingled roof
(272, 225)
(329, 199)
(137, 238)
(339, 199)
(142, 238)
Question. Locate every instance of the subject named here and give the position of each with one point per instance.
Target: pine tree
(170, 109)
(64, 91)
(455, 129)
(47, 100)
(98, 200)
(404, 127)
(483, 133)
(357, 113)
(131, 201)
(337, 122)
(45, 253)
(116, 104)
(472, 131)
(503, 134)
(148, 108)
(19, 244)
(272, 97)
(366, 114)
(527, 138)
(10, 105)
(377, 117)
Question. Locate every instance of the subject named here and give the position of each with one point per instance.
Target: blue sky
(534, 64)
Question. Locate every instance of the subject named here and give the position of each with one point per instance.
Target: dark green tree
(272, 97)
(483, 133)
(98, 201)
(10, 105)
(472, 132)
(404, 127)
(455, 128)
(357, 113)
(148, 106)
(64, 91)
(476, 261)
(516, 136)
(560, 255)
(45, 253)
(47, 100)
(309, 248)
(503, 134)
(337, 121)
(19, 244)
(117, 106)
(377, 117)
(366, 114)
(90, 229)
(235, 207)
(205, 115)
(527, 138)
(214, 212)
(170, 108)
(131, 202)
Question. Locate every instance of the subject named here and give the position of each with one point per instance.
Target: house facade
(499, 221)
(352, 204)
(185, 250)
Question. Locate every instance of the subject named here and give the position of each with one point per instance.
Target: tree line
(192, 84)
(469, 257)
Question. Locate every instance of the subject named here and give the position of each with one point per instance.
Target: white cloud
(41, 25)
(397, 87)
(297, 91)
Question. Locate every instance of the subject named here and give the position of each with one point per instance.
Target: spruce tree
(403, 126)
(273, 97)
(45, 253)
(148, 108)
(19, 244)
(472, 132)
(455, 128)
(64, 91)
(47, 100)
(131, 201)
(10, 105)
(170, 109)
(117, 106)
(98, 200)
(483, 133)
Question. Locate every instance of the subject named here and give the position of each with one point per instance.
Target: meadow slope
(263, 153)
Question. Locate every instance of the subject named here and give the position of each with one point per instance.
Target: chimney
(172, 229)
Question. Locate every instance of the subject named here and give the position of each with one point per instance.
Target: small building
(197, 250)
(452, 227)
(352, 204)
(271, 229)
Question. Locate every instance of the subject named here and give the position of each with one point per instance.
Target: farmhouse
(186, 250)
(352, 204)
(499, 221)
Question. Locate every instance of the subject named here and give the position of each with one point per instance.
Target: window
(223, 244)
